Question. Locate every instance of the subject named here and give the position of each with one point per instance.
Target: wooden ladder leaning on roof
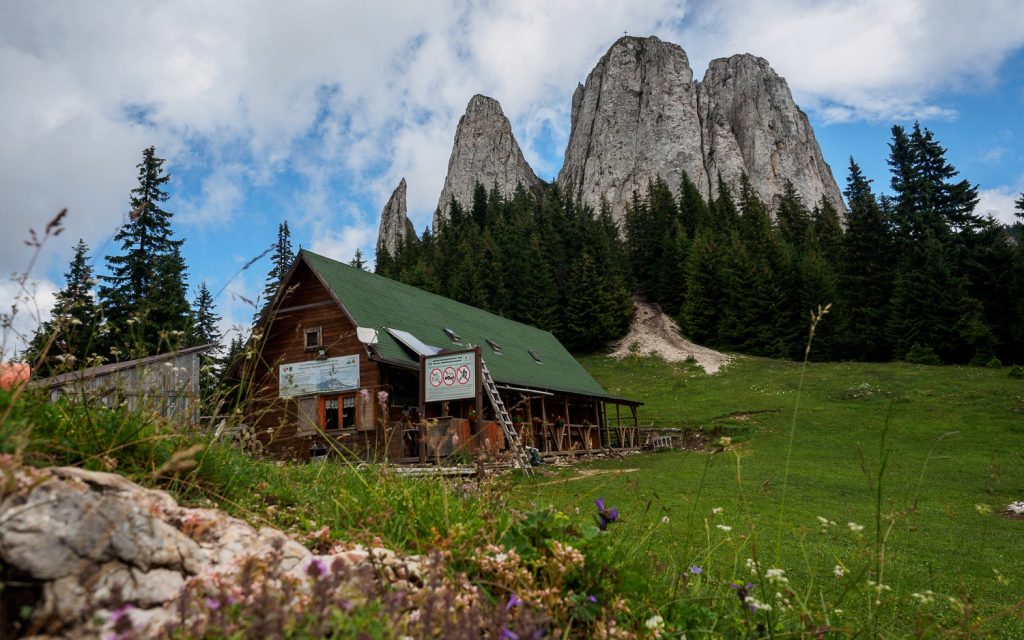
(519, 457)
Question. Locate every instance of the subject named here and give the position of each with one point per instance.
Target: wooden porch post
(543, 424)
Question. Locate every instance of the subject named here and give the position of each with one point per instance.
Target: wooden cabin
(338, 361)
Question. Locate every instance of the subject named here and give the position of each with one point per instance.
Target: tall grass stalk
(816, 317)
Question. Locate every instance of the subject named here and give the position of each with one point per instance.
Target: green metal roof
(381, 303)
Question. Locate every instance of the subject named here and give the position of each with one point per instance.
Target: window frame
(340, 398)
(319, 338)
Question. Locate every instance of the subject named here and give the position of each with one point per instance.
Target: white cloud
(22, 308)
(865, 59)
(999, 202)
(345, 98)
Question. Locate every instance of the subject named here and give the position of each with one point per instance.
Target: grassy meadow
(923, 458)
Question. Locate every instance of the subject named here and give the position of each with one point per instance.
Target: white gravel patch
(655, 334)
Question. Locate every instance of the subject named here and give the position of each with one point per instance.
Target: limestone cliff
(395, 226)
(641, 115)
(485, 151)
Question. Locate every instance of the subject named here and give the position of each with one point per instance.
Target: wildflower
(656, 625)
(751, 565)
(592, 598)
(316, 568)
(725, 441)
(664, 519)
(507, 635)
(1016, 508)
(756, 605)
(854, 527)
(923, 598)
(605, 516)
(777, 575)
(724, 527)
(716, 511)
(122, 622)
(695, 570)
(513, 601)
(212, 604)
(839, 571)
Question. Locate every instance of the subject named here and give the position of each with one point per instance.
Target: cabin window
(535, 356)
(338, 412)
(494, 346)
(452, 335)
(313, 338)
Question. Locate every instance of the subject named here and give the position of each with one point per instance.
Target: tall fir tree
(281, 258)
(144, 299)
(865, 273)
(73, 329)
(206, 321)
(357, 260)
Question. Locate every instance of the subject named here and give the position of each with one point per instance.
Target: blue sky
(312, 111)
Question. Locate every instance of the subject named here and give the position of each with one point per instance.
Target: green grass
(955, 440)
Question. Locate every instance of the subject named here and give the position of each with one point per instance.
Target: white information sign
(450, 377)
(319, 376)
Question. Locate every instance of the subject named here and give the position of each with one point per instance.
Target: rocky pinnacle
(641, 115)
(485, 151)
(395, 227)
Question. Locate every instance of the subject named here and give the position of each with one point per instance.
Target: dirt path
(655, 334)
(588, 473)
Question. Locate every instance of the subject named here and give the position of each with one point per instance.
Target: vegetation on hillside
(915, 276)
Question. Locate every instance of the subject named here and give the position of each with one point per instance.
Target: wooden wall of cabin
(285, 425)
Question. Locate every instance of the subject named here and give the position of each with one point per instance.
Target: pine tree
(865, 273)
(281, 259)
(205, 322)
(357, 260)
(145, 296)
(74, 323)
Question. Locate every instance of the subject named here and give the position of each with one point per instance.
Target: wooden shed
(338, 361)
(166, 384)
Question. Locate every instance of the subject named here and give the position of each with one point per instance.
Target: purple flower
(507, 635)
(695, 570)
(513, 601)
(212, 604)
(605, 516)
(592, 598)
(317, 567)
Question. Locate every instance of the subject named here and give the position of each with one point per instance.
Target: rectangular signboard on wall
(450, 376)
(319, 376)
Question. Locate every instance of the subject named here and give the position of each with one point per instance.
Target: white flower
(716, 511)
(751, 565)
(777, 575)
(854, 527)
(724, 527)
(923, 598)
(839, 571)
(1016, 507)
(656, 625)
(664, 519)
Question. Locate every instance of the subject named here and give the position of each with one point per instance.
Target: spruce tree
(205, 322)
(74, 325)
(281, 259)
(144, 298)
(357, 260)
(865, 273)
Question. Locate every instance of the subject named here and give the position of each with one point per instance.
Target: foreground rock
(641, 115)
(485, 152)
(91, 544)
